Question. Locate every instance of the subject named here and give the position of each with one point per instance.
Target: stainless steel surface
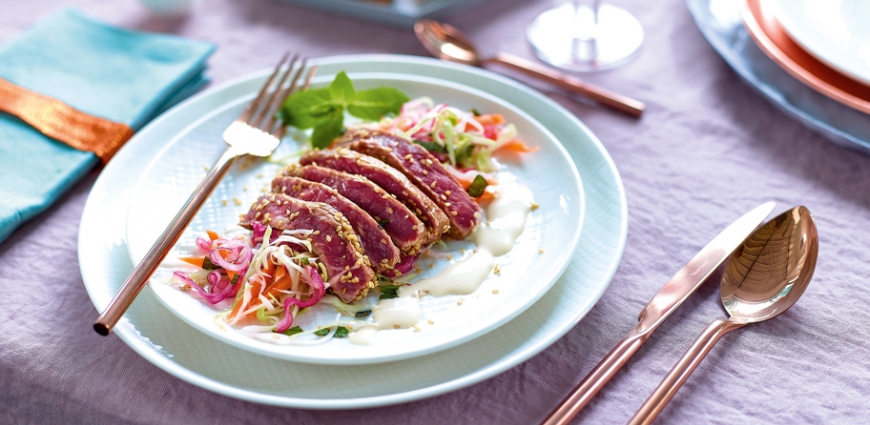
(448, 43)
(763, 278)
(675, 291)
(245, 136)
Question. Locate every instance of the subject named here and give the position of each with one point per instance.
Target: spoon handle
(574, 85)
(681, 371)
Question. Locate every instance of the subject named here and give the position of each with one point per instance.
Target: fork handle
(587, 389)
(164, 243)
(575, 85)
(681, 371)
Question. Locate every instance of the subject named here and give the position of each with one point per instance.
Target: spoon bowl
(763, 278)
(771, 270)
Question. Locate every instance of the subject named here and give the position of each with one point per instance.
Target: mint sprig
(323, 109)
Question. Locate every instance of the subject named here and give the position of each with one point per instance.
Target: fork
(256, 132)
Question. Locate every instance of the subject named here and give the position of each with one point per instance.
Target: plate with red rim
(183, 351)
(446, 320)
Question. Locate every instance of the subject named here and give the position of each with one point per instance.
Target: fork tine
(272, 114)
(257, 119)
(309, 77)
(256, 102)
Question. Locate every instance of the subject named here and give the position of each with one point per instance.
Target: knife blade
(676, 290)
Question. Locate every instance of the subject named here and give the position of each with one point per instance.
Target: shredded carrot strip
(212, 235)
(196, 261)
(517, 146)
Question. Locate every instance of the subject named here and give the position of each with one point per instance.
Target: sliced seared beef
(382, 254)
(405, 229)
(425, 171)
(332, 239)
(389, 179)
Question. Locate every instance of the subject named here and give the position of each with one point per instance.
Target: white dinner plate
(525, 272)
(837, 32)
(181, 350)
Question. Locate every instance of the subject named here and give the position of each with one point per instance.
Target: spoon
(763, 278)
(447, 43)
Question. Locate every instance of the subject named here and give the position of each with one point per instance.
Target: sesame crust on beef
(381, 252)
(333, 240)
(389, 179)
(406, 231)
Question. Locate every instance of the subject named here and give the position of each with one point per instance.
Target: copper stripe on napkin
(62, 122)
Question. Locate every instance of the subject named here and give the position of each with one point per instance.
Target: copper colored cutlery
(752, 291)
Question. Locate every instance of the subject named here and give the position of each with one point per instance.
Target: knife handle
(597, 379)
(681, 371)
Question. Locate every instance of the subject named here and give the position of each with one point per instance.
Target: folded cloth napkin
(120, 75)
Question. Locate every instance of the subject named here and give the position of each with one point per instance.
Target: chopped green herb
(323, 109)
(431, 146)
(477, 186)
(208, 265)
(341, 332)
(235, 279)
(475, 112)
(361, 314)
(383, 222)
(305, 261)
(389, 292)
(293, 331)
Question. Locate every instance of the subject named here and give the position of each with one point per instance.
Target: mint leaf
(328, 130)
(322, 332)
(341, 332)
(375, 103)
(308, 108)
(293, 331)
(389, 292)
(323, 109)
(341, 90)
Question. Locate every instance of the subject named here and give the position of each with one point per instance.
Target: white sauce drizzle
(461, 278)
(506, 221)
(363, 336)
(397, 313)
(506, 217)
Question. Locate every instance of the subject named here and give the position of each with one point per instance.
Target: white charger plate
(526, 274)
(179, 349)
(836, 32)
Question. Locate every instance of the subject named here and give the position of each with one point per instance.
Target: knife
(675, 291)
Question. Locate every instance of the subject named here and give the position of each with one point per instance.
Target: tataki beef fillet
(425, 171)
(376, 243)
(388, 178)
(333, 240)
(406, 231)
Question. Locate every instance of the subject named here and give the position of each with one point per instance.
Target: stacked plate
(823, 43)
(811, 58)
(548, 283)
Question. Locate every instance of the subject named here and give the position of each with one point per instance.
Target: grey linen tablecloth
(708, 149)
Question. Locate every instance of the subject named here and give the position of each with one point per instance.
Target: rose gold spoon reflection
(763, 278)
(449, 44)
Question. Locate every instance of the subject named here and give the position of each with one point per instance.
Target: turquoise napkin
(113, 73)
